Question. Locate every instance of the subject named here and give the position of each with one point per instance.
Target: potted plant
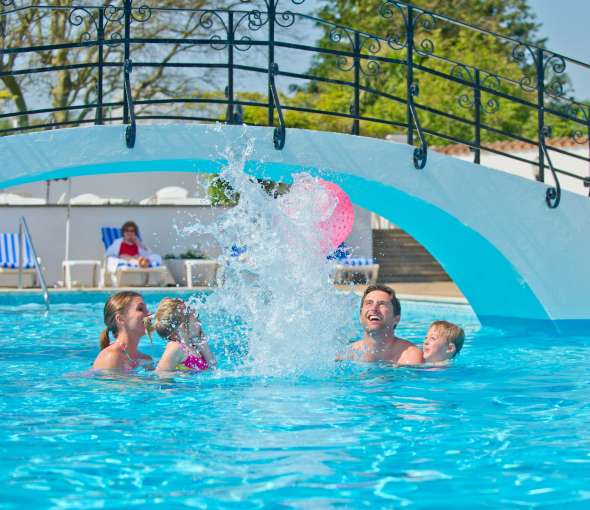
(203, 271)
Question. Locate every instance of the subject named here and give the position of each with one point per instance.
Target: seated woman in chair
(129, 247)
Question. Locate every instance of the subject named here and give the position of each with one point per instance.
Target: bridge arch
(513, 258)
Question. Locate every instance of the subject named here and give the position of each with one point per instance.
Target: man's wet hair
(397, 307)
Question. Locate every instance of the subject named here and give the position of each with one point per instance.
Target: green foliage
(222, 194)
(448, 101)
(189, 254)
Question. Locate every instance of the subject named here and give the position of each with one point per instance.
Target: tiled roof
(507, 146)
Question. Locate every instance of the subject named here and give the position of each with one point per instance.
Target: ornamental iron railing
(63, 66)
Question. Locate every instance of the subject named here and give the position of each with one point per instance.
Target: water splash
(275, 301)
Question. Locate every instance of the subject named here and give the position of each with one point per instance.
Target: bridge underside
(512, 257)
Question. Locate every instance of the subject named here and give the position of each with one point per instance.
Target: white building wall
(161, 228)
(529, 171)
(127, 186)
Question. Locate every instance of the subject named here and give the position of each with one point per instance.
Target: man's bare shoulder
(359, 345)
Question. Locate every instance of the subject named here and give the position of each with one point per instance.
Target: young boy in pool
(187, 348)
(442, 343)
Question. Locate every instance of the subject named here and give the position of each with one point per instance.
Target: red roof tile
(506, 146)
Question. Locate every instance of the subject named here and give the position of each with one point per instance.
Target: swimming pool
(505, 427)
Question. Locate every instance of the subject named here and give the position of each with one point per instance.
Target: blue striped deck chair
(10, 249)
(122, 272)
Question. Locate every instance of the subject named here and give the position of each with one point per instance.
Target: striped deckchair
(10, 249)
(122, 272)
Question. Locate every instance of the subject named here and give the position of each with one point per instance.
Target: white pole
(67, 257)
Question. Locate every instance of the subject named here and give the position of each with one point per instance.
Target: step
(402, 259)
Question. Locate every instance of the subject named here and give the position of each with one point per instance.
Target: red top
(128, 249)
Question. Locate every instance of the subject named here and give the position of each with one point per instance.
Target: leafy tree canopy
(439, 46)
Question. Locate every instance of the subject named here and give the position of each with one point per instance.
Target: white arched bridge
(516, 260)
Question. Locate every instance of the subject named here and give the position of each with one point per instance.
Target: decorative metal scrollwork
(130, 130)
(280, 132)
(357, 43)
(491, 81)
(420, 153)
(577, 134)
(77, 17)
(335, 35)
(115, 16)
(519, 54)
(463, 73)
(373, 46)
(141, 14)
(553, 193)
(551, 61)
(428, 23)
(557, 65)
(426, 20)
(492, 105)
(206, 22)
(257, 19)
(386, 11)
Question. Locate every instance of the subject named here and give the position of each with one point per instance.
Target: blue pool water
(505, 427)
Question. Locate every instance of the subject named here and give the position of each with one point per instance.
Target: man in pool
(379, 315)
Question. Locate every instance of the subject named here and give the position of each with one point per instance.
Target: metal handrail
(23, 227)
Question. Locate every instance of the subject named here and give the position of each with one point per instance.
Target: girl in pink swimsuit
(187, 347)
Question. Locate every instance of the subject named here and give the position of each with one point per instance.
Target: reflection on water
(280, 424)
(491, 429)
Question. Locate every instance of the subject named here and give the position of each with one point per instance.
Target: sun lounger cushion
(356, 262)
(9, 252)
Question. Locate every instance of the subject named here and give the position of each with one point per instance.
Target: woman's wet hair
(171, 313)
(116, 304)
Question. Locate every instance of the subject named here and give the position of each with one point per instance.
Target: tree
(439, 46)
(40, 37)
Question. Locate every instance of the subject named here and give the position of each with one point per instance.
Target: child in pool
(187, 348)
(442, 343)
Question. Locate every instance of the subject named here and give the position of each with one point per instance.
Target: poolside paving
(430, 291)
(420, 291)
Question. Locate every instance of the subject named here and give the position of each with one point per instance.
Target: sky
(566, 23)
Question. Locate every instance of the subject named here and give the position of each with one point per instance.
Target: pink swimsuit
(192, 361)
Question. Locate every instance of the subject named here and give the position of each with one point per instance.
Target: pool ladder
(24, 228)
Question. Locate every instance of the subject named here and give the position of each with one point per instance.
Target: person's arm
(352, 352)
(411, 356)
(144, 251)
(114, 248)
(173, 355)
(147, 361)
(206, 352)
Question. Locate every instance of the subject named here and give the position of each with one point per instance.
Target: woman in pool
(124, 316)
(187, 348)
